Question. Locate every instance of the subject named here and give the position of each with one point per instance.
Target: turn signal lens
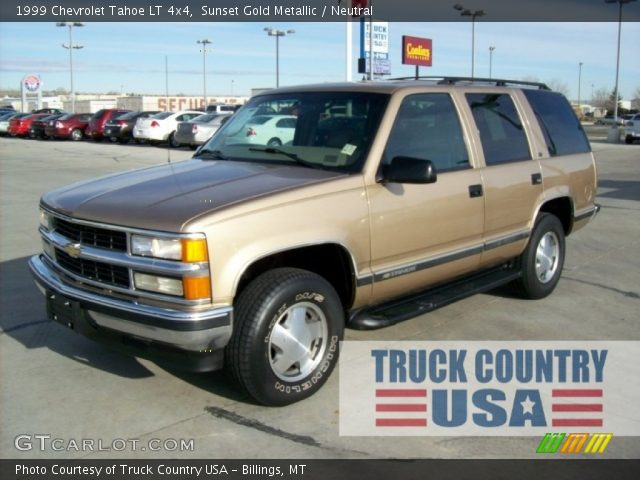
(196, 288)
(194, 250)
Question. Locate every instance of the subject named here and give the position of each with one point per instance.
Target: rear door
(511, 175)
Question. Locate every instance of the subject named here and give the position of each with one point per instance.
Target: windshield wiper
(213, 154)
(292, 156)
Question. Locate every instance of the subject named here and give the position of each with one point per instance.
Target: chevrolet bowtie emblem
(72, 249)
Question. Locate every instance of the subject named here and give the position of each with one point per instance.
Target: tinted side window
(501, 131)
(427, 127)
(562, 130)
(286, 123)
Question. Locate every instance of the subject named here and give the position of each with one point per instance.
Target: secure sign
(488, 388)
(417, 51)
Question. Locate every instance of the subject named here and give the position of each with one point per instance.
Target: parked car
(19, 126)
(50, 111)
(95, 129)
(269, 130)
(221, 108)
(200, 129)
(71, 125)
(609, 120)
(632, 129)
(120, 128)
(38, 126)
(161, 127)
(5, 118)
(418, 193)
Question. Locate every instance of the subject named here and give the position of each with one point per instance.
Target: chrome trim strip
(51, 280)
(121, 259)
(423, 264)
(118, 228)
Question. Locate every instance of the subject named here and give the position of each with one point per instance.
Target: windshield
(161, 115)
(331, 130)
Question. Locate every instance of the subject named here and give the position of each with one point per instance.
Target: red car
(95, 129)
(70, 126)
(19, 127)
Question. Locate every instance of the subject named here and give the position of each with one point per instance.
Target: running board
(395, 311)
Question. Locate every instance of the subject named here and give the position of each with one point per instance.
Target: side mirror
(409, 170)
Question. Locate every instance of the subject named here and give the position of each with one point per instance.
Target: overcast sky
(130, 57)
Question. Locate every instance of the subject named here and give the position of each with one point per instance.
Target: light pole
(491, 49)
(71, 47)
(273, 32)
(579, 86)
(204, 42)
(615, 92)
(465, 12)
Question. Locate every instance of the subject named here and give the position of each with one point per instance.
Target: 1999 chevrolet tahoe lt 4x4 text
(366, 204)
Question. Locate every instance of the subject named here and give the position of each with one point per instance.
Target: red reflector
(155, 124)
(251, 132)
(194, 129)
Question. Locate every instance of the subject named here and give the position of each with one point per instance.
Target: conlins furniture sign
(417, 51)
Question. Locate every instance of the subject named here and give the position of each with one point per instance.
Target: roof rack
(498, 82)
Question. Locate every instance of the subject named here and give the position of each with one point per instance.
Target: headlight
(170, 248)
(184, 249)
(46, 220)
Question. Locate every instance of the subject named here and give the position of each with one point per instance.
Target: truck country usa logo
(550, 389)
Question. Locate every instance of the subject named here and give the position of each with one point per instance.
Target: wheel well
(561, 208)
(330, 261)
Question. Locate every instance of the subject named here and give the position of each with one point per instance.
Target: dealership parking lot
(57, 383)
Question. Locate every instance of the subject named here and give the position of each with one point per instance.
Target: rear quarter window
(560, 125)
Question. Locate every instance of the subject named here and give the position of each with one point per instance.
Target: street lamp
(204, 42)
(465, 12)
(615, 92)
(71, 47)
(491, 49)
(579, 86)
(273, 32)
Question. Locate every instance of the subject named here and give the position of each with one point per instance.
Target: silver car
(200, 129)
(632, 129)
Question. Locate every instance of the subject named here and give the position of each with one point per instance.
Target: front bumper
(189, 340)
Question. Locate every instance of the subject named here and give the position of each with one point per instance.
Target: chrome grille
(93, 236)
(96, 271)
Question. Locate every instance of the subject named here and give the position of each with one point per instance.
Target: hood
(166, 197)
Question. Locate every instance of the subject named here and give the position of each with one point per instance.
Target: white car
(162, 126)
(632, 129)
(269, 130)
(200, 129)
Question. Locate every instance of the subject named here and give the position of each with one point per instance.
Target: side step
(398, 310)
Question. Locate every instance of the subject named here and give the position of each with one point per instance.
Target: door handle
(536, 178)
(475, 191)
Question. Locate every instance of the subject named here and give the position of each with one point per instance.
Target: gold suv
(362, 205)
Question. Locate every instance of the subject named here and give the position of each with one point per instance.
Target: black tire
(274, 142)
(76, 134)
(628, 140)
(537, 281)
(172, 141)
(123, 140)
(265, 307)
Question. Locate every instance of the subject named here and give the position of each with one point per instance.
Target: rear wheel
(628, 139)
(274, 142)
(76, 134)
(172, 140)
(288, 325)
(542, 261)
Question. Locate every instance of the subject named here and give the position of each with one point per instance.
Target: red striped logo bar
(401, 422)
(576, 407)
(401, 407)
(401, 392)
(576, 392)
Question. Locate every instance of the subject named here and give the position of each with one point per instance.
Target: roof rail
(498, 82)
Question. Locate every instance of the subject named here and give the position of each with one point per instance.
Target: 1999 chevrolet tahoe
(366, 204)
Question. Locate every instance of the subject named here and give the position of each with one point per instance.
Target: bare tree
(558, 86)
(635, 103)
(601, 97)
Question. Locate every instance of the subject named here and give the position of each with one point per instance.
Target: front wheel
(76, 134)
(542, 261)
(288, 326)
(172, 141)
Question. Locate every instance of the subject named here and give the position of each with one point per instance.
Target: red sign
(416, 51)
